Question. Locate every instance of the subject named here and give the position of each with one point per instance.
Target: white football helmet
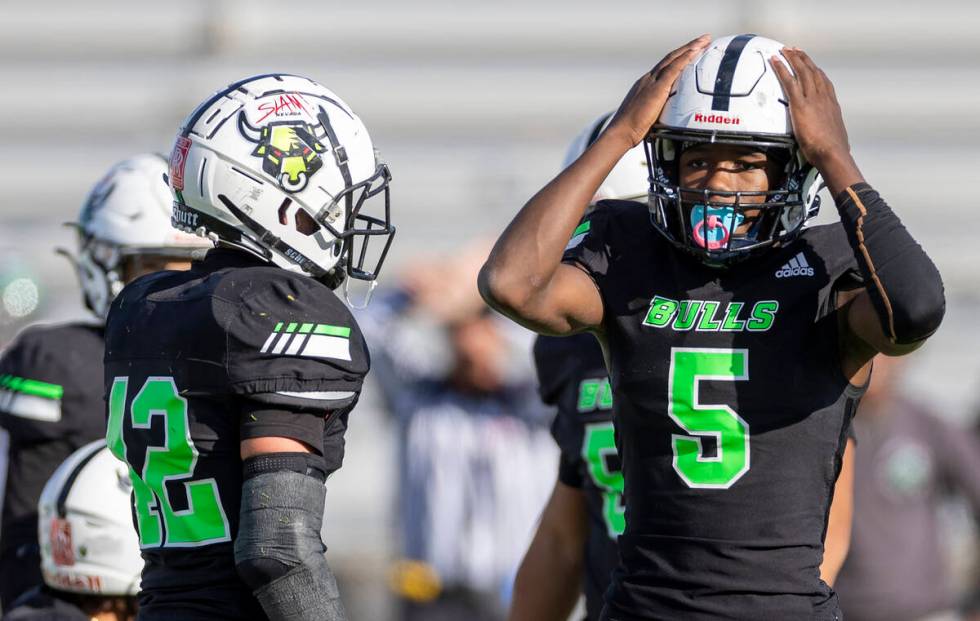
(85, 526)
(730, 95)
(279, 166)
(628, 180)
(125, 216)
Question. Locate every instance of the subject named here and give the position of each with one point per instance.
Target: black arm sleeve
(903, 282)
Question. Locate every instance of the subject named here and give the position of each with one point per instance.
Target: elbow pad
(278, 550)
(905, 286)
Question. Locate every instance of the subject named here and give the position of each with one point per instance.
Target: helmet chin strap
(230, 236)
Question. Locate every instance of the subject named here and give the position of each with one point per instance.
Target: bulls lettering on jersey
(193, 359)
(732, 413)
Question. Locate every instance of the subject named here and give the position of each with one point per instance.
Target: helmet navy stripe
(66, 488)
(726, 72)
(199, 112)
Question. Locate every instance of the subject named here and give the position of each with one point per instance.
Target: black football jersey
(191, 358)
(572, 376)
(50, 405)
(732, 413)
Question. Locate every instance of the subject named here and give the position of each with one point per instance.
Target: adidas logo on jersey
(797, 266)
(312, 340)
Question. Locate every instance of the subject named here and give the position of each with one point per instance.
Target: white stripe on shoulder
(281, 344)
(322, 346)
(295, 344)
(575, 241)
(328, 395)
(268, 342)
(30, 406)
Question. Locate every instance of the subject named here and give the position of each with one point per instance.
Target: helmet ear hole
(283, 210)
(302, 221)
(305, 223)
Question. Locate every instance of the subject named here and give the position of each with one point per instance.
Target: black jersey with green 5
(572, 377)
(732, 413)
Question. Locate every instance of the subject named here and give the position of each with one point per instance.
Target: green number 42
(688, 366)
(204, 521)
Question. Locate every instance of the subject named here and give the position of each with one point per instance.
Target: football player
(51, 400)
(575, 544)
(574, 547)
(90, 557)
(229, 386)
(738, 341)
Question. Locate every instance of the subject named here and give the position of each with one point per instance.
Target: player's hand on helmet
(642, 106)
(817, 120)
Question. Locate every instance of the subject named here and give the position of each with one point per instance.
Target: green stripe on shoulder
(582, 228)
(322, 328)
(31, 387)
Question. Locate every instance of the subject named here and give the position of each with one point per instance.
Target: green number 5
(599, 442)
(204, 521)
(688, 366)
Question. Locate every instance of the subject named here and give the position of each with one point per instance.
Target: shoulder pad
(830, 243)
(51, 373)
(560, 360)
(606, 232)
(287, 333)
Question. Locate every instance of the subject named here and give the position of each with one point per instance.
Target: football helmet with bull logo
(279, 166)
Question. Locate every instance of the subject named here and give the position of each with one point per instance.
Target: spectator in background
(907, 459)
(475, 459)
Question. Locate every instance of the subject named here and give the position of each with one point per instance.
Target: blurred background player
(90, 556)
(238, 375)
(474, 458)
(574, 548)
(51, 393)
(909, 461)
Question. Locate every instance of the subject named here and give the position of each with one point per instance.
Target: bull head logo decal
(290, 150)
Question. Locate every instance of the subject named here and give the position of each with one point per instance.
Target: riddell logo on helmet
(716, 118)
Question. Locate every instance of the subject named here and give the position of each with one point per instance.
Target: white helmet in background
(126, 216)
(729, 95)
(628, 180)
(85, 526)
(280, 166)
